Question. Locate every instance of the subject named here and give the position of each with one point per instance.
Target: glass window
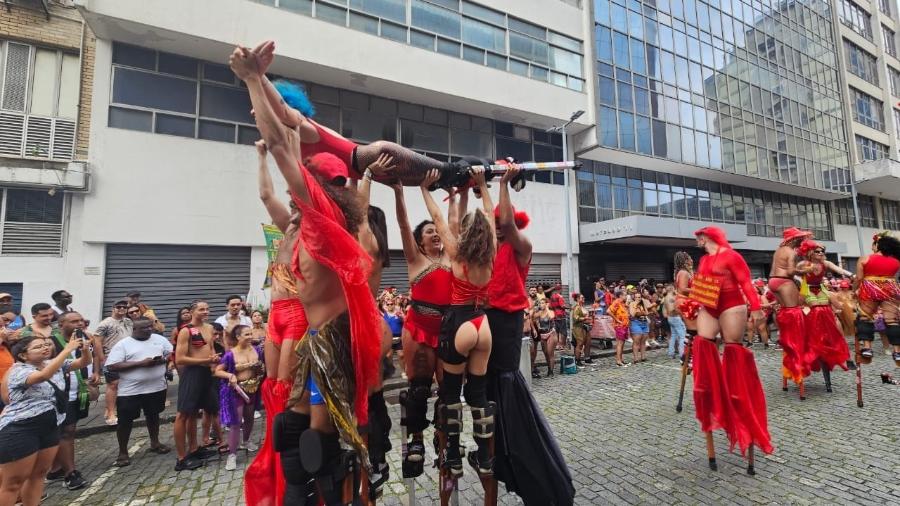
(638, 56)
(483, 13)
(867, 149)
(364, 126)
(448, 47)
(644, 138)
(528, 28)
(894, 78)
(624, 95)
(483, 35)
(130, 119)
(608, 130)
(364, 23)
(659, 138)
(425, 137)
(134, 56)
(176, 125)
(225, 103)
(528, 48)
(215, 131)
(143, 89)
(43, 89)
(603, 41)
(889, 37)
(435, 19)
(69, 80)
(394, 10)
(620, 44)
(30, 206)
(860, 63)
(855, 17)
(606, 90)
(867, 109)
(301, 6)
(178, 65)
(885, 7)
(565, 61)
(890, 214)
(421, 39)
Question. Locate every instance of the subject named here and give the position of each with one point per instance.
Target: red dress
(825, 341)
(430, 296)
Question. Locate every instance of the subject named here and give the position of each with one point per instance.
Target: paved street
(623, 441)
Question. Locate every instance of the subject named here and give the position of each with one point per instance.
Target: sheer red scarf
(324, 235)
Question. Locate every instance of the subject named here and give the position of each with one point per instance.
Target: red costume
(430, 292)
(879, 281)
(728, 393)
(826, 344)
(337, 146)
(506, 290)
(264, 480)
(791, 324)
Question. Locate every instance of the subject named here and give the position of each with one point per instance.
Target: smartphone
(81, 335)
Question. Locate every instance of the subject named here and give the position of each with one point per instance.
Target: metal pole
(859, 236)
(571, 273)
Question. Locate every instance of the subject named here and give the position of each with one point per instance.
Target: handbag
(61, 397)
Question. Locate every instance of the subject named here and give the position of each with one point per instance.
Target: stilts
(408, 473)
(447, 483)
(750, 469)
(826, 374)
(684, 372)
(482, 460)
(859, 395)
(711, 452)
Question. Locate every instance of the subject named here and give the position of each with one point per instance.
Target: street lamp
(562, 130)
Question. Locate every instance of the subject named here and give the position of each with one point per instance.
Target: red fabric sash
(825, 338)
(711, 399)
(264, 480)
(792, 338)
(747, 399)
(324, 236)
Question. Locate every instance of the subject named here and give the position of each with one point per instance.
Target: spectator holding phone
(140, 362)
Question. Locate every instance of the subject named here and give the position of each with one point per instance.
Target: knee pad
(893, 334)
(452, 415)
(483, 421)
(476, 390)
(865, 330)
(416, 404)
(322, 457)
(287, 427)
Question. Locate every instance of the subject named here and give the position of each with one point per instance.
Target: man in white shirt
(233, 318)
(140, 361)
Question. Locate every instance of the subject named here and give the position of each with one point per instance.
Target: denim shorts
(640, 327)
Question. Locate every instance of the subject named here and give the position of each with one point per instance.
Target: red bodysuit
(506, 290)
(465, 293)
(430, 297)
(879, 281)
(330, 143)
(730, 268)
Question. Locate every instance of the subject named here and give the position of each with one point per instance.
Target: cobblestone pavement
(622, 439)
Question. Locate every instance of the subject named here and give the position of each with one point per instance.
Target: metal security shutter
(397, 275)
(14, 289)
(170, 277)
(635, 271)
(757, 271)
(546, 274)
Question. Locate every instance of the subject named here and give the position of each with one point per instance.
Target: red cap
(793, 233)
(715, 234)
(329, 167)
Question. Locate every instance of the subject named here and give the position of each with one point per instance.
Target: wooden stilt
(489, 483)
(446, 482)
(684, 373)
(784, 385)
(826, 374)
(711, 452)
(802, 385)
(859, 396)
(750, 469)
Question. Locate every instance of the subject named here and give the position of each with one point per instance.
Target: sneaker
(188, 463)
(56, 475)
(589, 360)
(202, 454)
(74, 481)
(231, 462)
(250, 446)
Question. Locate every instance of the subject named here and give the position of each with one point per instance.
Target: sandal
(122, 462)
(160, 450)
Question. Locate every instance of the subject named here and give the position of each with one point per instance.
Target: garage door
(635, 271)
(546, 274)
(170, 277)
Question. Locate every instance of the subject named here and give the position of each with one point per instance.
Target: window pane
(247, 135)
(133, 56)
(390, 9)
(134, 87)
(607, 123)
(363, 126)
(130, 119)
(528, 48)
(215, 131)
(393, 32)
(483, 35)
(178, 65)
(565, 61)
(301, 6)
(626, 131)
(225, 103)
(448, 47)
(473, 55)
(43, 89)
(32, 206)
(520, 150)
(644, 144)
(425, 137)
(467, 142)
(606, 91)
(530, 29)
(68, 87)
(422, 40)
(435, 19)
(175, 125)
(331, 14)
(625, 100)
(497, 18)
(220, 73)
(364, 23)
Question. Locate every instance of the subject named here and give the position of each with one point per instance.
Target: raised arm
(280, 214)
(54, 365)
(283, 143)
(453, 220)
(410, 249)
(507, 220)
(437, 217)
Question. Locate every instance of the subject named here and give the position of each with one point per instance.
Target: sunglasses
(134, 311)
(123, 307)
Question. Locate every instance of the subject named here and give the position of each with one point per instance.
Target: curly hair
(347, 201)
(681, 261)
(888, 246)
(476, 240)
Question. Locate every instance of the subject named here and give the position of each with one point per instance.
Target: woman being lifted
(464, 345)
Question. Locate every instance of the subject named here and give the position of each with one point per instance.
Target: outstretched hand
(478, 176)
(431, 177)
(383, 166)
(512, 170)
(243, 63)
(264, 54)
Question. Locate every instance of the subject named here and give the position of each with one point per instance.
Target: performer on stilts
(796, 356)
(877, 288)
(727, 393)
(429, 273)
(264, 481)
(465, 339)
(824, 338)
(338, 357)
(527, 457)
(294, 109)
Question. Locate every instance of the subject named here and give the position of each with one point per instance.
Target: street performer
(727, 394)
(338, 357)
(789, 316)
(824, 339)
(877, 288)
(527, 457)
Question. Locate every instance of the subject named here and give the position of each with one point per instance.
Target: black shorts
(197, 390)
(26, 437)
(129, 407)
(74, 413)
(562, 328)
(453, 318)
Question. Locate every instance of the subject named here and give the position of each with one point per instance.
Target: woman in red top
(727, 394)
(429, 278)
(876, 285)
(465, 340)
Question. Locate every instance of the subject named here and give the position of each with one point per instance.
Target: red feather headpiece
(520, 217)
(715, 234)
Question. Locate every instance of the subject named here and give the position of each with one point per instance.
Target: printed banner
(273, 239)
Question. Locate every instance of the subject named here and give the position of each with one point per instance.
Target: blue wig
(295, 96)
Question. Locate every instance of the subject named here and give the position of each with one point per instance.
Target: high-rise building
(709, 112)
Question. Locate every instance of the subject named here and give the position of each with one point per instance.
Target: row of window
(462, 29)
(867, 109)
(869, 150)
(607, 191)
(39, 81)
(890, 212)
(860, 63)
(855, 17)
